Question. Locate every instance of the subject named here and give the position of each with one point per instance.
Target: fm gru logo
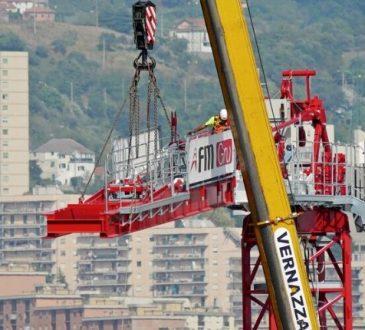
(222, 155)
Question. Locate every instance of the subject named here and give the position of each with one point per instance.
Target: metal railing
(339, 173)
(152, 169)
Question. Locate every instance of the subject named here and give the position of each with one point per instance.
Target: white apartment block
(63, 160)
(194, 31)
(14, 123)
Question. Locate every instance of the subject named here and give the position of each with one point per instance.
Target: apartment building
(358, 279)
(103, 265)
(27, 302)
(22, 228)
(191, 263)
(14, 123)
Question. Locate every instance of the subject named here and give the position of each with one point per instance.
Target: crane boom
(274, 223)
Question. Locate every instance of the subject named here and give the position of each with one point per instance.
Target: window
(226, 321)
(63, 253)
(5, 190)
(5, 131)
(5, 60)
(62, 165)
(52, 164)
(4, 120)
(81, 168)
(5, 143)
(5, 72)
(4, 96)
(5, 155)
(139, 263)
(5, 107)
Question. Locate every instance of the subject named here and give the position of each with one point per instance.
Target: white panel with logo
(211, 156)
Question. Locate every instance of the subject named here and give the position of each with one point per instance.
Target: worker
(218, 123)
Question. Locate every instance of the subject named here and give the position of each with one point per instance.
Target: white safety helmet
(223, 114)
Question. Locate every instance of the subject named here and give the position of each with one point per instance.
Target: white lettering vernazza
(294, 287)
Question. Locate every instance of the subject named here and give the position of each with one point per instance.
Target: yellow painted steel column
(280, 253)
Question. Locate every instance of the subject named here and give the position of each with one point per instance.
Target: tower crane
(197, 174)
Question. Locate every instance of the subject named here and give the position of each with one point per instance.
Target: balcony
(122, 269)
(100, 271)
(42, 261)
(169, 244)
(21, 225)
(173, 257)
(94, 283)
(184, 294)
(20, 237)
(159, 283)
(82, 160)
(178, 269)
(101, 257)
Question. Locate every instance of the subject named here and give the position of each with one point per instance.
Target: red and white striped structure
(151, 24)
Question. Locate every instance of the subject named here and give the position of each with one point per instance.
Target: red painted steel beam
(91, 216)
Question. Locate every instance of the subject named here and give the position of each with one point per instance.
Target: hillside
(67, 63)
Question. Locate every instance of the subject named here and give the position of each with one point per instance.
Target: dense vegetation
(81, 66)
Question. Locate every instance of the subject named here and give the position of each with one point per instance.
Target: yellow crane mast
(275, 230)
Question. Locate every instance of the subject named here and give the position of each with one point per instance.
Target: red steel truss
(102, 215)
(326, 231)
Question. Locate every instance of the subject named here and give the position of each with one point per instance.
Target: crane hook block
(144, 24)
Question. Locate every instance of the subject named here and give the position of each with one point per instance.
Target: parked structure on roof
(64, 161)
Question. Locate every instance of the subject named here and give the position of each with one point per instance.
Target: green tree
(41, 51)
(61, 278)
(59, 46)
(9, 41)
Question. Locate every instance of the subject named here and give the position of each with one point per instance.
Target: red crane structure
(150, 184)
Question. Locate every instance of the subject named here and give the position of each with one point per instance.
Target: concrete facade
(200, 265)
(22, 226)
(14, 123)
(34, 305)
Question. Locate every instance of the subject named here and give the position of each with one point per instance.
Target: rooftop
(63, 146)
(191, 24)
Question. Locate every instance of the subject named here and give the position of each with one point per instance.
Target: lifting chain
(149, 94)
(143, 62)
(133, 119)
